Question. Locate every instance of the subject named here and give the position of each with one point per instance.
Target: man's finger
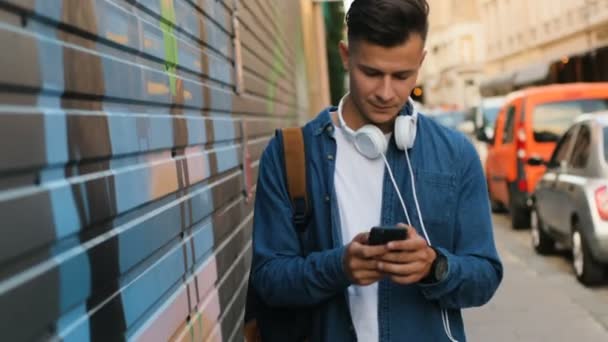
(366, 274)
(369, 281)
(405, 280)
(362, 238)
(401, 269)
(369, 252)
(409, 245)
(364, 264)
(402, 257)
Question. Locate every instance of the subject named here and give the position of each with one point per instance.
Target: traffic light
(418, 94)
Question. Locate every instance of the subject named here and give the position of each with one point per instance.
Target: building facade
(455, 53)
(544, 41)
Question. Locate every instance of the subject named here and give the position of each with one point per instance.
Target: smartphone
(383, 235)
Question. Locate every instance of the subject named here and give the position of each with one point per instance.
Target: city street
(539, 298)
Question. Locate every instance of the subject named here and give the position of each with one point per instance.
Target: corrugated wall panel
(126, 157)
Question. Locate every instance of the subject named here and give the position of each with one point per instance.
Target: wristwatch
(439, 268)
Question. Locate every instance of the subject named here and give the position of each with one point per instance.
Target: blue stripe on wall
(73, 326)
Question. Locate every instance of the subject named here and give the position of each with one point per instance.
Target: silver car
(570, 202)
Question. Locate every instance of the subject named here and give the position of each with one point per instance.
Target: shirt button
(330, 128)
(326, 198)
(330, 156)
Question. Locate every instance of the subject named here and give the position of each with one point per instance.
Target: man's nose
(385, 92)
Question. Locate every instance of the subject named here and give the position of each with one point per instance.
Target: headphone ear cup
(405, 131)
(370, 141)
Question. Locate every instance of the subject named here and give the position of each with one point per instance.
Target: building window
(466, 48)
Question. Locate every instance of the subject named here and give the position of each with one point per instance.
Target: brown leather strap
(295, 169)
(251, 332)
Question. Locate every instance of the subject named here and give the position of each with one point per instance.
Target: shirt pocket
(436, 193)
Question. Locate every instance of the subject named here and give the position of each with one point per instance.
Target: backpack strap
(295, 170)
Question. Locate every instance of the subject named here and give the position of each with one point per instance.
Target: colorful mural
(126, 160)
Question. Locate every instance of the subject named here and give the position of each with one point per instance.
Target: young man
(327, 283)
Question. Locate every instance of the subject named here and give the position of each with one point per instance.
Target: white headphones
(371, 142)
(369, 139)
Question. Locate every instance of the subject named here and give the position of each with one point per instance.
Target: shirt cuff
(337, 267)
(434, 290)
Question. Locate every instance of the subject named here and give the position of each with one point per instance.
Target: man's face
(381, 79)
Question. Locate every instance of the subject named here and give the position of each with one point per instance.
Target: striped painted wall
(129, 137)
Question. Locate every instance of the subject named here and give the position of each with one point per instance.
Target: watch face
(441, 268)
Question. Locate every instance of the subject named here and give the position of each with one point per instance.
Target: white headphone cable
(409, 165)
(390, 173)
(444, 314)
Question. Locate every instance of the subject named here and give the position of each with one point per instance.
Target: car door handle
(570, 188)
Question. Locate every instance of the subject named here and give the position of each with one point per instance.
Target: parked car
(484, 118)
(529, 124)
(570, 202)
(485, 114)
(451, 119)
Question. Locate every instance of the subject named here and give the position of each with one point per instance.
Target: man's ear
(344, 54)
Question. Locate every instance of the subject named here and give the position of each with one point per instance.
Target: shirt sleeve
(474, 267)
(281, 275)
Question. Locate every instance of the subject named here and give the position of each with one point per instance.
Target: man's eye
(402, 77)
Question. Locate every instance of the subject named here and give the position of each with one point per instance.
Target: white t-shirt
(358, 184)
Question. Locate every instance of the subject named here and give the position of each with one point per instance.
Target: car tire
(495, 205)
(541, 241)
(520, 217)
(518, 210)
(587, 270)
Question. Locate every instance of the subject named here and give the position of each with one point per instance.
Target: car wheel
(496, 206)
(541, 241)
(587, 270)
(520, 217)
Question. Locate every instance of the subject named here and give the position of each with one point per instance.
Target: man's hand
(361, 261)
(407, 261)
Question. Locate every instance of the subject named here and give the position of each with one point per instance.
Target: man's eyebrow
(369, 68)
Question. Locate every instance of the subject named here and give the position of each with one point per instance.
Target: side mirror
(482, 135)
(536, 161)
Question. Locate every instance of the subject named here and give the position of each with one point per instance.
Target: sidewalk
(530, 307)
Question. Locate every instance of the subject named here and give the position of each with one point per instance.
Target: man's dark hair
(387, 23)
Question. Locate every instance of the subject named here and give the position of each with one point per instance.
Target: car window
(561, 149)
(509, 128)
(489, 115)
(581, 148)
(550, 120)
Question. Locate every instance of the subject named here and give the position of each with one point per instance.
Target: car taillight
(520, 146)
(601, 201)
(522, 185)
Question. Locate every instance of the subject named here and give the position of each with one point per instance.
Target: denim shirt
(297, 274)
